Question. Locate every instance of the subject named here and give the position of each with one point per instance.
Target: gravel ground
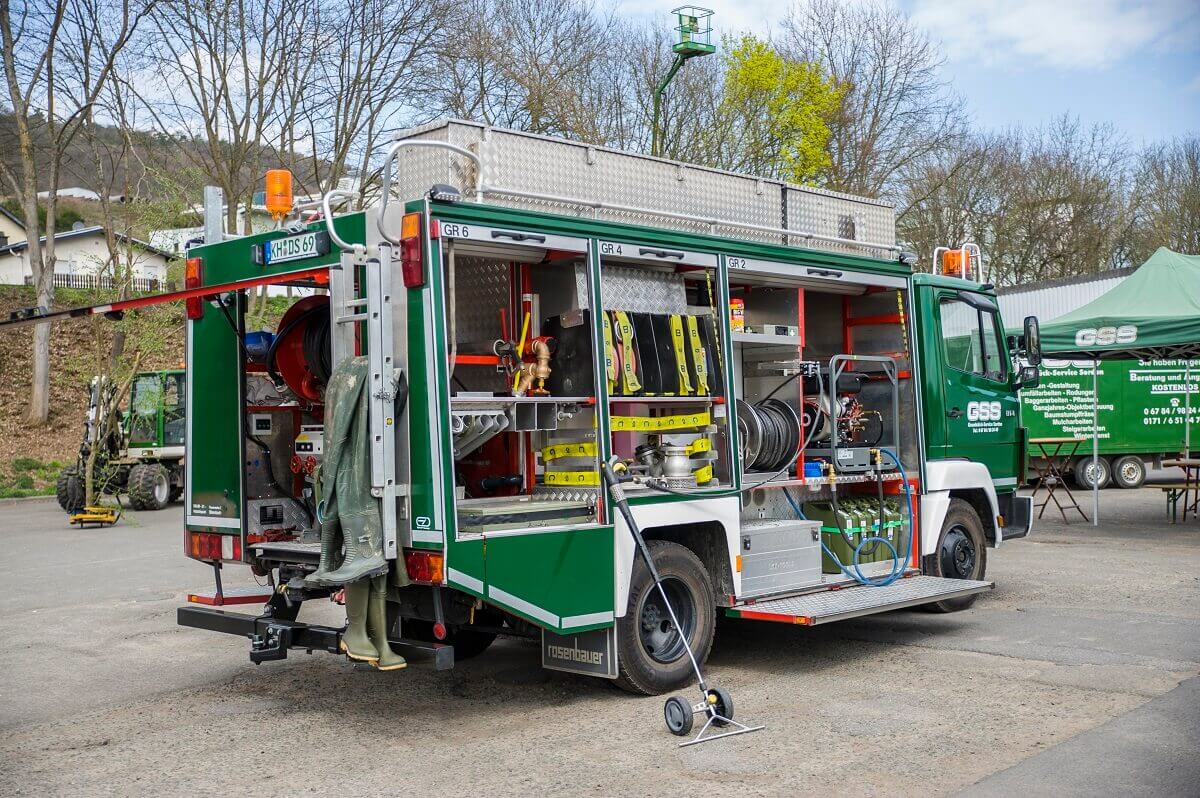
(104, 695)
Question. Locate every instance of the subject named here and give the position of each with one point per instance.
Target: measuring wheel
(678, 714)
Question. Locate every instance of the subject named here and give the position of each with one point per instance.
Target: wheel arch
(706, 527)
(957, 479)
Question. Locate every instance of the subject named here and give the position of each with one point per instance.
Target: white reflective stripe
(466, 580)
(524, 606)
(205, 520)
(586, 620)
(1005, 481)
(226, 547)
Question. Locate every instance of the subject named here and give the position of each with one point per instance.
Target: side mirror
(1033, 341)
(1029, 377)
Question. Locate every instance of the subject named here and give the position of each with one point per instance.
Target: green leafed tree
(773, 115)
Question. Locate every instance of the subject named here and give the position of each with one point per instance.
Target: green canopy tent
(1152, 314)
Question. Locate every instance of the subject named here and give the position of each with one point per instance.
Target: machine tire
(640, 671)
(961, 553)
(1083, 466)
(1129, 471)
(68, 489)
(149, 486)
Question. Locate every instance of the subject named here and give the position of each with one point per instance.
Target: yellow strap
(628, 370)
(702, 444)
(572, 478)
(703, 475)
(610, 354)
(561, 450)
(681, 368)
(698, 355)
(660, 423)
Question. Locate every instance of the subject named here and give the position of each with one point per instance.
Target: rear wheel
(149, 486)
(961, 553)
(1129, 471)
(652, 657)
(1086, 472)
(69, 490)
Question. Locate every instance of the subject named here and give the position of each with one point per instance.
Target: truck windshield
(971, 340)
(145, 399)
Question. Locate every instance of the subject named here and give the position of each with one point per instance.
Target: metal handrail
(325, 202)
(386, 175)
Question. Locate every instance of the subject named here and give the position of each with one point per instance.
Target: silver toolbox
(573, 178)
(780, 556)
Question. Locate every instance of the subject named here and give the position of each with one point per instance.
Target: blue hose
(897, 563)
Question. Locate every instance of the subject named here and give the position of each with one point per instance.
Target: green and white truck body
(492, 502)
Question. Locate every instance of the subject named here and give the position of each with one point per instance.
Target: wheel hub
(661, 638)
(958, 554)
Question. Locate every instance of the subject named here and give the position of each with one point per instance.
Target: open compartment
(522, 385)
(665, 365)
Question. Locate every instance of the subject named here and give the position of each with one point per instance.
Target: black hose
(318, 353)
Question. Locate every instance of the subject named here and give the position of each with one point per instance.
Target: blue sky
(1134, 64)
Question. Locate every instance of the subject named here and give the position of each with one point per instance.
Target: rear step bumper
(851, 602)
(272, 638)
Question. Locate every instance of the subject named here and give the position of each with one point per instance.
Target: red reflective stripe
(771, 616)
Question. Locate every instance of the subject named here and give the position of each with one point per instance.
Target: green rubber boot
(331, 555)
(355, 641)
(377, 625)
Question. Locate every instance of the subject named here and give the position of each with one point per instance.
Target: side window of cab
(972, 339)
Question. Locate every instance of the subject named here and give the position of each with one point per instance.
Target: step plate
(851, 602)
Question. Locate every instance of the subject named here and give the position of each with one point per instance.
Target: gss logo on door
(983, 411)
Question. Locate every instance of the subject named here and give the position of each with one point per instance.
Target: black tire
(1082, 471)
(677, 712)
(650, 655)
(1129, 472)
(467, 643)
(68, 489)
(149, 486)
(723, 705)
(961, 553)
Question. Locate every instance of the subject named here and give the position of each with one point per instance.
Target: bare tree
(361, 75)
(896, 109)
(1166, 199)
(50, 97)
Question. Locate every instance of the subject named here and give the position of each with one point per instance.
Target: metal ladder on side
(374, 312)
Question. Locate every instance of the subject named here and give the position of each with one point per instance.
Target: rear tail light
(411, 263)
(193, 277)
(211, 546)
(424, 566)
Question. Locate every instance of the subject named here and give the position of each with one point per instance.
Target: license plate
(299, 247)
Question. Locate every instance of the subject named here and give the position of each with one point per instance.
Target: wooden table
(1191, 483)
(1050, 473)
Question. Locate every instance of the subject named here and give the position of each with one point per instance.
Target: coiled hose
(897, 563)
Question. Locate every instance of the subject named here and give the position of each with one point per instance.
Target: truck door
(968, 376)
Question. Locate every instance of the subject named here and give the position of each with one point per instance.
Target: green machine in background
(138, 451)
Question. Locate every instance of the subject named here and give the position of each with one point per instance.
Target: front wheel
(149, 486)
(651, 654)
(961, 553)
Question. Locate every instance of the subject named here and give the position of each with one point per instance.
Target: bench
(1175, 491)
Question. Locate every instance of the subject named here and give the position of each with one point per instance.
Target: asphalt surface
(1076, 676)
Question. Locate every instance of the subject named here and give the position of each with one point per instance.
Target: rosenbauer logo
(1106, 336)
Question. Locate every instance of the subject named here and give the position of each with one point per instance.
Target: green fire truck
(805, 436)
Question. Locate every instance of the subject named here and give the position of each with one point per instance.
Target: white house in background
(81, 256)
(12, 229)
(77, 193)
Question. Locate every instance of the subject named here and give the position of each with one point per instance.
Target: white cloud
(1073, 34)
